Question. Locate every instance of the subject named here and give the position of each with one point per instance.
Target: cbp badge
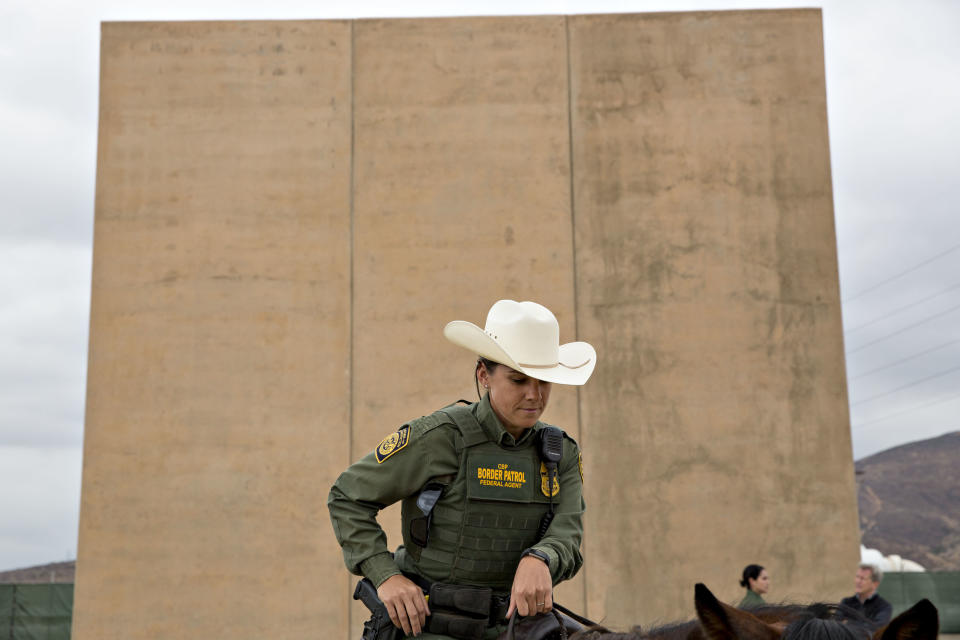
(393, 443)
(580, 463)
(545, 481)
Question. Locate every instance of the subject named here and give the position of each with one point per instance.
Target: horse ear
(713, 618)
(723, 622)
(919, 622)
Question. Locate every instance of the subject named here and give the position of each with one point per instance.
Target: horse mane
(822, 621)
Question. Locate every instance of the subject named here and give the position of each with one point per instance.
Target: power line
(907, 386)
(903, 308)
(903, 273)
(893, 364)
(900, 413)
(906, 328)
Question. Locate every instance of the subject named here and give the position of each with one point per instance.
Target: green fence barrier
(35, 611)
(44, 611)
(942, 588)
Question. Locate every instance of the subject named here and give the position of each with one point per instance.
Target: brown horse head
(720, 621)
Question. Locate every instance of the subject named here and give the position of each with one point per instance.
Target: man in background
(866, 599)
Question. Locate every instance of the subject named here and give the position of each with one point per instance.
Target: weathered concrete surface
(707, 274)
(461, 197)
(289, 212)
(218, 388)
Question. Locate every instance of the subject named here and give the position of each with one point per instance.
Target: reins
(578, 618)
(556, 611)
(513, 619)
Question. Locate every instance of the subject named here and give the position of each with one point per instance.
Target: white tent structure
(888, 564)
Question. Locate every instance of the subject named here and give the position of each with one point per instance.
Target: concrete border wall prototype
(287, 214)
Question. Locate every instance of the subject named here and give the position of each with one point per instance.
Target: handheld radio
(551, 450)
(551, 445)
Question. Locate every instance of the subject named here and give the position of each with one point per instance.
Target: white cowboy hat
(526, 336)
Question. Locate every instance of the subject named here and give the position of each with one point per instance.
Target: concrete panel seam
(353, 164)
(573, 219)
(573, 250)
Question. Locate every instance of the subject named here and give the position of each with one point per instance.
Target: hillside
(53, 572)
(909, 499)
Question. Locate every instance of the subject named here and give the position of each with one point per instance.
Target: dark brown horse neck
(718, 621)
(691, 630)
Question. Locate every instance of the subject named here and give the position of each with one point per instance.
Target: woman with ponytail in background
(757, 582)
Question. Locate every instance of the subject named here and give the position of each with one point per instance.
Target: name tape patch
(393, 443)
(501, 476)
(508, 477)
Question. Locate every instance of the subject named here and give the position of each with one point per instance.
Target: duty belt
(462, 611)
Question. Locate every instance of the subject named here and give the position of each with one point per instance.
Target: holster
(379, 626)
(376, 628)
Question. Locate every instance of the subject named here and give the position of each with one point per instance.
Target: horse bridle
(513, 619)
(557, 609)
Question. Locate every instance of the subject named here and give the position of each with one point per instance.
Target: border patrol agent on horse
(491, 496)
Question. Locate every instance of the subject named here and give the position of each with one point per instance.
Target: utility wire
(906, 386)
(902, 273)
(892, 364)
(900, 413)
(903, 308)
(906, 328)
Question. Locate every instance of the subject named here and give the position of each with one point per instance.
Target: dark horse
(718, 621)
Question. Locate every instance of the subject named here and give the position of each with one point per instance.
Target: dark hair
(490, 366)
(750, 572)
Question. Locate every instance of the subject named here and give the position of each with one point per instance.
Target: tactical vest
(487, 516)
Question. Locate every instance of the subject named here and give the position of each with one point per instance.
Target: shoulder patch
(393, 443)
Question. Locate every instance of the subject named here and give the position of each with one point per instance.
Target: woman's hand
(405, 603)
(532, 591)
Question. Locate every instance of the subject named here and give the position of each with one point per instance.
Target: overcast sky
(893, 95)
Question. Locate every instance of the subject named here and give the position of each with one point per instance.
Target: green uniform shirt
(420, 451)
(751, 600)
